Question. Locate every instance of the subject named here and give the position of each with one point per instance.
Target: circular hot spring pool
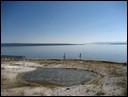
(59, 76)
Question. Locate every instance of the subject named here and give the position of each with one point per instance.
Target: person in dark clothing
(64, 56)
(80, 56)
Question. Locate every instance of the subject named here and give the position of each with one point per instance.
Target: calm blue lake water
(117, 53)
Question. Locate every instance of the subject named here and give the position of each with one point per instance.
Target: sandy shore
(111, 79)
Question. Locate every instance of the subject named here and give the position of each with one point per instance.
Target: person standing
(64, 56)
(80, 56)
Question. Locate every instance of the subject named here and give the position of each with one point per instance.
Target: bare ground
(111, 78)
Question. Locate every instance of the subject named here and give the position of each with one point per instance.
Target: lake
(116, 53)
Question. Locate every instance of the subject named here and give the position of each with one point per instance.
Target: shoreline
(43, 59)
(18, 58)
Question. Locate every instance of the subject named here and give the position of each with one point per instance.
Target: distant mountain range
(59, 44)
(36, 44)
(110, 43)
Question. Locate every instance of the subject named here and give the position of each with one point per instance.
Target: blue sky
(63, 21)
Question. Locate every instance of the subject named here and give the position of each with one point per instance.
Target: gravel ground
(111, 79)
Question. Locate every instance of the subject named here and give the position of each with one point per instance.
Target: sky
(63, 21)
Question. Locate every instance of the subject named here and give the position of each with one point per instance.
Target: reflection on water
(90, 51)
